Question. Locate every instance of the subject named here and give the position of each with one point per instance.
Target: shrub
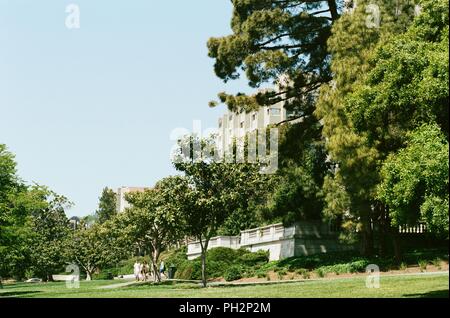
(219, 261)
(277, 269)
(254, 259)
(300, 271)
(437, 262)
(192, 270)
(403, 266)
(358, 266)
(184, 270)
(103, 275)
(303, 272)
(337, 269)
(317, 260)
(271, 266)
(423, 265)
(250, 271)
(223, 254)
(281, 273)
(261, 274)
(320, 272)
(233, 273)
(29, 273)
(175, 257)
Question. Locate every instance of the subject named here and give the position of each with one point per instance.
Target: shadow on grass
(18, 293)
(172, 283)
(254, 284)
(432, 294)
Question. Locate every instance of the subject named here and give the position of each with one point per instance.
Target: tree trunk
(204, 282)
(383, 230)
(155, 258)
(396, 244)
(204, 249)
(397, 248)
(367, 236)
(89, 275)
(382, 240)
(333, 9)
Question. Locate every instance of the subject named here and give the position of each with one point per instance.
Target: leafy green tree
(95, 247)
(107, 207)
(50, 227)
(415, 181)
(295, 190)
(33, 225)
(355, 158)
(8, 177)
(283, 43)
(216, 189)
(407, 84)
(8, 181)
(155, 220)
(274, 39)
(16, 234)
(16, 204)
(287, 43)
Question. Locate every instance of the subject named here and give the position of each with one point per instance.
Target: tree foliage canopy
(415, 181)
(274, 39)
(107, 207)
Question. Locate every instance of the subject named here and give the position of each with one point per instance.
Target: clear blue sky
(94, 107)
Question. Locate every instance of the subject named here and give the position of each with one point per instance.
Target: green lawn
(405, 286)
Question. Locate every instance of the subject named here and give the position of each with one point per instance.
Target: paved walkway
(120, 285)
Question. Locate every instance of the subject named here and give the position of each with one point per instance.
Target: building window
(242, 124)
(275, 111)
(230, 117)
(254, 117)
(220, 123)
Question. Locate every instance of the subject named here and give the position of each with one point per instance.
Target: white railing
(263, 234)
(419, 228)
(194, 248)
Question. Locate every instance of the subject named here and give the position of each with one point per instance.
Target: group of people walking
(142, 270)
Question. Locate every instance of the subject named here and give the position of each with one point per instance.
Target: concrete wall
(304, 238)
(194, 248)
(291, 247)
(275, 249)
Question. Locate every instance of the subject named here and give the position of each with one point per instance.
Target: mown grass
(392, 287)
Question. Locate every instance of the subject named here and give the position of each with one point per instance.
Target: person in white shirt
(137, 270)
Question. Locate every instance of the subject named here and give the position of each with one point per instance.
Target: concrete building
(303, 238)
(74, 222)
(236, 125)
(122, 204)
